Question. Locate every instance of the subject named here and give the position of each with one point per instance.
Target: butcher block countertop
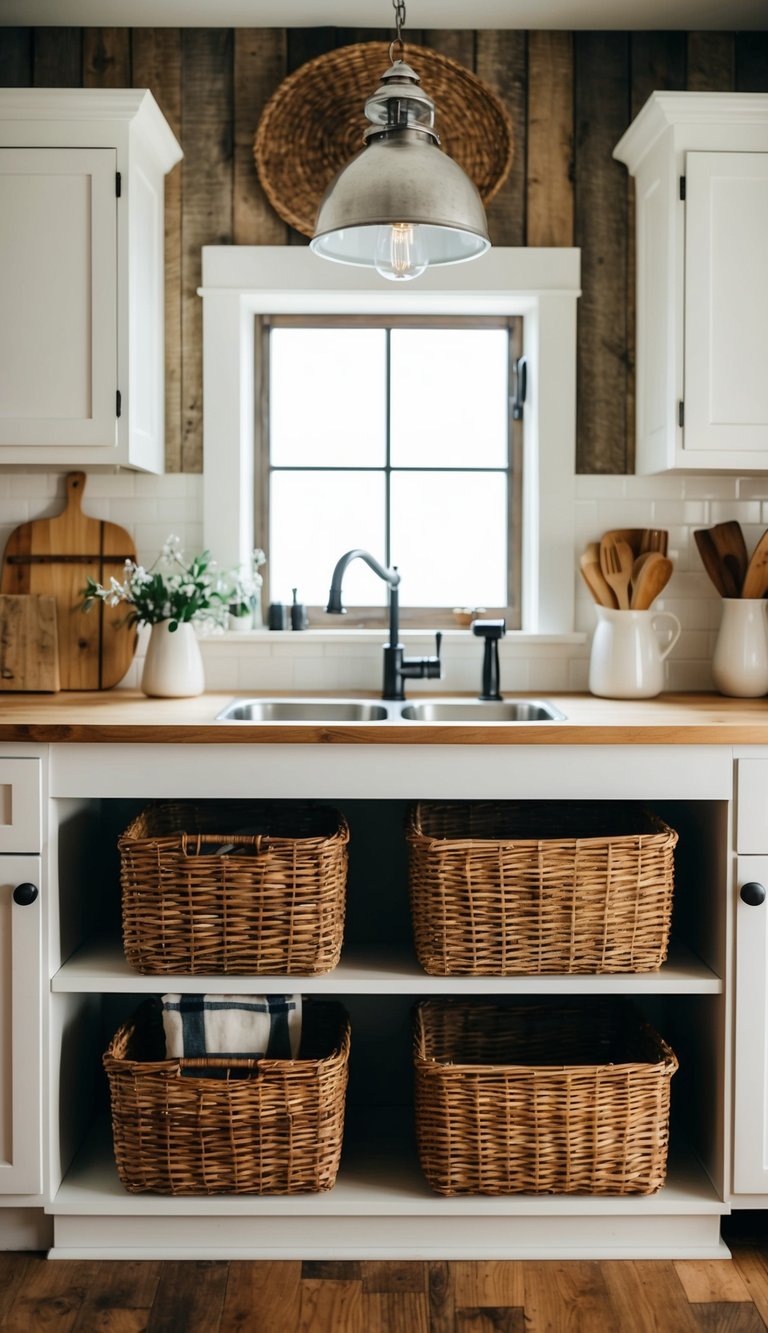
(128, 716)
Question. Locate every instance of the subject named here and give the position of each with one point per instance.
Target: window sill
(457, 637)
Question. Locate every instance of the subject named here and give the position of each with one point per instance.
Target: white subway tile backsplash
(753, 488)
(151, 508)
(711, 487)
(695, 512)
(600, 487)
(744, 511)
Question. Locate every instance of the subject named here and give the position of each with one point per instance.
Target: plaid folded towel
(232, 1025)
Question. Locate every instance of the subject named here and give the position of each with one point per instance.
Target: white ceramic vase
(740, 661)
(173, 667)
(627, 656)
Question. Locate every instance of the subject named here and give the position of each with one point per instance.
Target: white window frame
(541, 285)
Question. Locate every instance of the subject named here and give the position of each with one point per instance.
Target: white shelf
(101, 967)
(375, 1179)
(94, 1217)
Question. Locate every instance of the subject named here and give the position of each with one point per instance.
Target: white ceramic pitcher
(627, 657)
(740, 661)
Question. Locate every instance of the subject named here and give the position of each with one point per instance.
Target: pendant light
(401, 204)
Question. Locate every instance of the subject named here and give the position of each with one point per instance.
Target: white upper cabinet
(82, 277)
(700, 162)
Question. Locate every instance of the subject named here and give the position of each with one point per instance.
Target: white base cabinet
(381, 1205)
(82, 277)
(700, 162)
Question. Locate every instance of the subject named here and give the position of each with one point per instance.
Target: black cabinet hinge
(681, 413)
(682, 187)
(118, 184)
(118, 403)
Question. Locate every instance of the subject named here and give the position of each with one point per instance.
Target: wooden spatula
(711, 561)
(593, 577)
(729, 543)
(756, 578)
(653, 577)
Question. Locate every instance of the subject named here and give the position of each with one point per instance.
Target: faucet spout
(396, 665)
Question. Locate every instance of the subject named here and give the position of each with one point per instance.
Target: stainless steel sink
(475, 710)
(302, 710)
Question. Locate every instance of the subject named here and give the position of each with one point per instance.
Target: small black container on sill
(277, 616)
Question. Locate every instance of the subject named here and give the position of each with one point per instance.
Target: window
(541, 286)
(401, 441)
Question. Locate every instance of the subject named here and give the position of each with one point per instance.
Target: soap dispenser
(299, 617)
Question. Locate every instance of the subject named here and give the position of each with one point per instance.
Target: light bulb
(401, 251)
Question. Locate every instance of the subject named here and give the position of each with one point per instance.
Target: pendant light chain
(398, 43)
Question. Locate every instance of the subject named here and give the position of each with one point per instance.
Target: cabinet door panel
(752, 806)
(20, 1031)
(20, 805)
(58, 292)
(726, 280)
(750, 1154)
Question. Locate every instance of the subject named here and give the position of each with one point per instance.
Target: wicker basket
(274, 905)
(527, 887)
(540, 1100)
(224, 1126)
(313, 124)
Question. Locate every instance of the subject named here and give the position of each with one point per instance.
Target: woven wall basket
(314, 122)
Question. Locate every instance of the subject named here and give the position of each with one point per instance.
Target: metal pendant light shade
(401, 204)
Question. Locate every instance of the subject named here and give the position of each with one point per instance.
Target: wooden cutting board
(53, 557)
(29, 654)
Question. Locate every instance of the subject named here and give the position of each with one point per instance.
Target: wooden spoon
(616, 561)
(756, 578)
(654, 576)
(729, 543)
(593, 577)
(711, 560)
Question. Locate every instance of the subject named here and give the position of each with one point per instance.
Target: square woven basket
(228, 1126)
(501, 888)
(201, 895)
(551, 1099)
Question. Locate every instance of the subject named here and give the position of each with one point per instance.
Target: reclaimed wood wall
(570, 95)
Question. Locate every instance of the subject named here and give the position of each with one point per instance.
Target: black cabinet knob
(24, 894)
(752, 893)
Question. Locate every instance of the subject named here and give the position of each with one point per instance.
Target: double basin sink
(354, 710)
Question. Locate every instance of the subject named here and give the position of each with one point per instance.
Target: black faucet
(490, 631)
(397, 667)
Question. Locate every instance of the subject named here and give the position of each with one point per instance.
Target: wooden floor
(38, 1296)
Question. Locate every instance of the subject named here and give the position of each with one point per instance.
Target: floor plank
(326, 1306)
(50, 1296)
(487, 1282)
(262, 1295)
(567, 1298)
(491, 1319)
(190, 1296)
(120, 1298)
(395, 1277)
(647, 1295)
(728, 1317)
(396, 1312)
(440, 1294)
(711, 1280)
(13, 1272)
(752, 1265)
